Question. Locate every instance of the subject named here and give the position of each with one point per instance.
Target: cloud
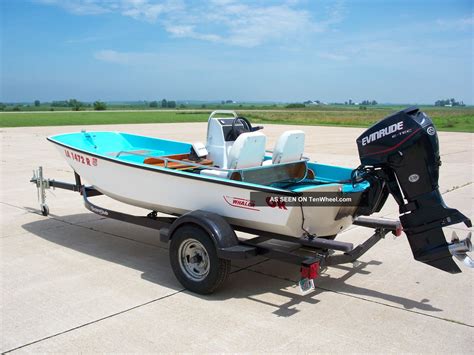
(112, 57)
(126, 58)
(253, 25)
(250, 24)
(85, 39)
(465, 23)
(80, 7)
(332, 56)
(189, 31)
(244, 24)
(138, 9)
(149, 10)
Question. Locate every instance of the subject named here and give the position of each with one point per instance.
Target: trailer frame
(230, 247)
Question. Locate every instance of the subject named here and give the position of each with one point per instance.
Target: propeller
(459, 248)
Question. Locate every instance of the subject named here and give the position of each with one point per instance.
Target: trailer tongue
(401, 154)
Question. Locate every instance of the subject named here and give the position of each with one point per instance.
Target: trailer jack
(42, 185)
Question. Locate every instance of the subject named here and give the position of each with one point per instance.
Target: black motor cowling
(402, 150)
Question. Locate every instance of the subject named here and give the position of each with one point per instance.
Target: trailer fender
(218, 229)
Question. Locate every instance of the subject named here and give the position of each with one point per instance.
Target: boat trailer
(310, 253)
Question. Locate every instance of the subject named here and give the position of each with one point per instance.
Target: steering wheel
(246, 127)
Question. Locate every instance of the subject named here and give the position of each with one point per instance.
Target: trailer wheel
(44, 210)
(194, 260)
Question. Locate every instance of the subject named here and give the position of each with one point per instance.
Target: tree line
(76, 105)
(164, 104)
(449, 102)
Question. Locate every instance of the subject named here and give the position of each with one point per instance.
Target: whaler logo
(241, 203)
(382, 133)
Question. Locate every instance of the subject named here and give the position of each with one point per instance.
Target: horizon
(219, 102)
(248, 51)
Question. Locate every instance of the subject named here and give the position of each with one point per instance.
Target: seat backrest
(289, 147)
(248, 151)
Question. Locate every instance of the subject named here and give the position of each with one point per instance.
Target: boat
(161, 175)
(280, 192)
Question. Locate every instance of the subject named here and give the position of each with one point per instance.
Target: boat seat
(289, 147)
(248, 151)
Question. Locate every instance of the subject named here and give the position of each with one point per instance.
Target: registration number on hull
(80, 158)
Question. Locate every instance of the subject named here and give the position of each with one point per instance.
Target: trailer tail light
(398, 231)
(310, 271)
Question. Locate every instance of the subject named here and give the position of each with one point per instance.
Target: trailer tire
(194, 260)
(45, 210)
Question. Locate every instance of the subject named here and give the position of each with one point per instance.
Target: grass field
(445, 119)
(87, 118)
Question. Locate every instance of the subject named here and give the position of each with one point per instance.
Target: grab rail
(228, 112)
(143, 153)
(303, 157)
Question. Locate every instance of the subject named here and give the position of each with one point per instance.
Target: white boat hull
(159, 190)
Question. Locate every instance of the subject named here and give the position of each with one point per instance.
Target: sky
(405, 51)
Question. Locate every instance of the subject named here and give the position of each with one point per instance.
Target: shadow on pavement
(341, 286)
(152, 261)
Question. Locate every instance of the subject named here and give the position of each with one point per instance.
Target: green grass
(88, 118)
(456, 120)
(445, 119)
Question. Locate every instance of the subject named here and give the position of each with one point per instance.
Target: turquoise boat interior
(159, 154)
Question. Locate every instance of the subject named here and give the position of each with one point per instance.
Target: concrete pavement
(75, 281)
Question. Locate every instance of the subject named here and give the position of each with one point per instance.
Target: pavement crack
(249, 266)
(9, 204)
(457, 187)
(94, 321)
(451, 153)
(396, 307)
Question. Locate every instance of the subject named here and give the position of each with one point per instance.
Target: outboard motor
(401, 152)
